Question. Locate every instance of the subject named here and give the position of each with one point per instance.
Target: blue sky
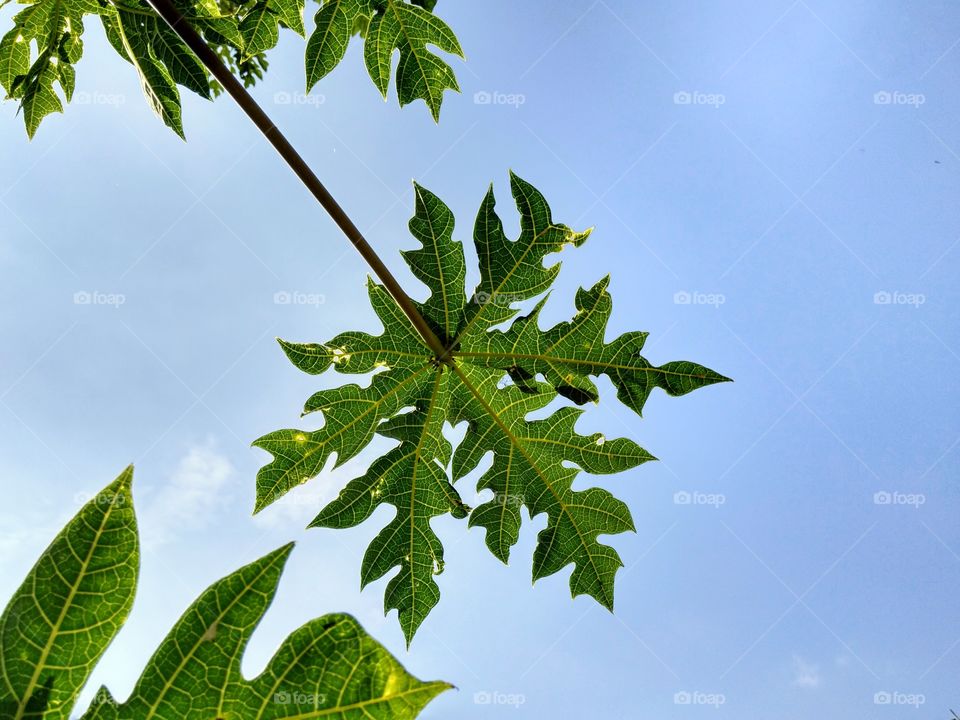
(773, 186)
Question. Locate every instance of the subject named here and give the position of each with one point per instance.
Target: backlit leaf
(498, 369)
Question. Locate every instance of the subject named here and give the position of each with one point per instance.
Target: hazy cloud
(197, 486)
(805, 675)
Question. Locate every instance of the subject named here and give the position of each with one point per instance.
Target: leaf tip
(280, 555)
(124, 480)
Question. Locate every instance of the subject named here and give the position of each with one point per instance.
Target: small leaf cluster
(39, 53)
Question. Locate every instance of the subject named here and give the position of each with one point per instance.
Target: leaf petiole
(180, 25)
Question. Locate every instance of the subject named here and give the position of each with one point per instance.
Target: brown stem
(208, 57)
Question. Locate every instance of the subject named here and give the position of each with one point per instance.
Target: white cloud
(301, 505)
(805, 675)
(186, 502)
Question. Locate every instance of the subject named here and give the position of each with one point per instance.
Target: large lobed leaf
(39, 53)
(77, 597)
(498, 369)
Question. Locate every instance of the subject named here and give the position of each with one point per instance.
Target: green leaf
(184, 67)
(389, 26)
(54, 27)
(78, 595)
(44, 45)
(570, 352)
(259, 29)
(71, 605)
(291, 13)
(420, 73)
(328, 42)
(328, 668)
(14, 58)
(528, 469)
(490, 378)
(134, 37)
(40, 100)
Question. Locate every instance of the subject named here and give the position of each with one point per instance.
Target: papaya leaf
(497, 370)
(40, 52)
(78, 595)
(55, 27)
(389, 26)
(71, 605)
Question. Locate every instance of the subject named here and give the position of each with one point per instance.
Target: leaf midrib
(406, 38)
(202, 638)
(575, 361)
(503, 282)
(516, 442)
(67, 605)
(372, 405)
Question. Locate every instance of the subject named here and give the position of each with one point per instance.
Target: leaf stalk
(179, 24)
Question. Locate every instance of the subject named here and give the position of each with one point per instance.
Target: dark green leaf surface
(389, 26)
(260, 29)
(54, 28)
(38, 55)
(78, 595)
(71, 605)
(136, 35)
(490, 378)
(329, 668)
